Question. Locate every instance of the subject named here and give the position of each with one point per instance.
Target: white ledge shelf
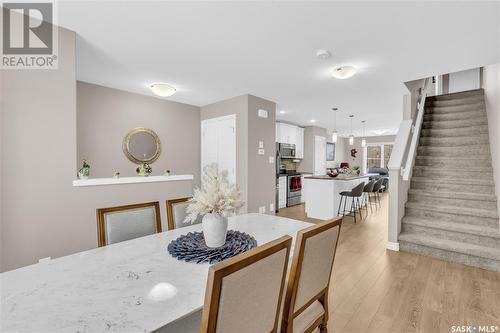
(129, 180)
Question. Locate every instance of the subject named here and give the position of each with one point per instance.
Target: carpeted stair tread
(454, 210)
(488, 252)
(472, 229)
(454, 180)
(431, 116)
(454, 132)
(457, 95)
(479, 139)
(454, 195)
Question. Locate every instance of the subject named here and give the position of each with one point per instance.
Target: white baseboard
(392, 246)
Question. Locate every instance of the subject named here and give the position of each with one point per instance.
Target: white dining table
(132, 286)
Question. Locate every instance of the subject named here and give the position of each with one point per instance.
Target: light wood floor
(377, 290)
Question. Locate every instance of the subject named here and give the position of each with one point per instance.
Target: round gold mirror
(142, 145)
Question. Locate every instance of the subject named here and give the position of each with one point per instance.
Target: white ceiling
(216, 50)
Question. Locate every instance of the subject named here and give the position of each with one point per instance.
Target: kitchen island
(322, 194)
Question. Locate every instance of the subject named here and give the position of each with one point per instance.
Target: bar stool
(355, 194)
(376, 188)
(366, 191)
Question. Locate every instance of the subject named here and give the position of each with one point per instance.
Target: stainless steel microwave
(287, 150)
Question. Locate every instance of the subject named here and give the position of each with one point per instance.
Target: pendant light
(363, 141)
(334, 132)
(351, 137)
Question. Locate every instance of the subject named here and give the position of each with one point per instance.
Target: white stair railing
(417, 126)
(405, 149)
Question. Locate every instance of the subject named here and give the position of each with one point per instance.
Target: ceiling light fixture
(312, 120)
(282, 111)
(162, 89)
(344, 72)
(334, 132)
(363, 141)
(351, 137)
(323, 54)
(380, 131)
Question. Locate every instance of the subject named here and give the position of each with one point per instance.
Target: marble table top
(132, 286)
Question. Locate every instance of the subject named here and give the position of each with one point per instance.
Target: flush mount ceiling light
(351, 137)
(282, 111)
(312, 120)
(323, 54)
(380, 131)
(334, 131)
(162, 89)
(344, 72)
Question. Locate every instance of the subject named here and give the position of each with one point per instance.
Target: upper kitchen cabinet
(286, 133)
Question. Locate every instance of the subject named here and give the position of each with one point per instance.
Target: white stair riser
(457, 201)
(428, 214)
(489, 264)
(451, 235)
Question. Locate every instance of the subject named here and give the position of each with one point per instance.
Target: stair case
(451, 211)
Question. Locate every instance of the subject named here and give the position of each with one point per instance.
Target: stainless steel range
(294, 190)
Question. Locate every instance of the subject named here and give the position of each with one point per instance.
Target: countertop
(325, 177)
(131, 286)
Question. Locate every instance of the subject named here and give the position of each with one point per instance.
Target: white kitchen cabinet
(282, 186)
(299, 142)
(286, 133)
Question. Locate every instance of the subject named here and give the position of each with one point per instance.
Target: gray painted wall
(254, 177)
(105, 115)
(261, 173)
(42, 213)
(238, 106)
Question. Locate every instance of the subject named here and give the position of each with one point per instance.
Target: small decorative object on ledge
(353, 153)
(84, 171)
(116, 174)
(144, 170)
(215, 202)
(166, 172)
(192, 247)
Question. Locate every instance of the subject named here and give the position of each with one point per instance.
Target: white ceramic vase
(214, 229)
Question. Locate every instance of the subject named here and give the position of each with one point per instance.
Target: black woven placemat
(192, 247)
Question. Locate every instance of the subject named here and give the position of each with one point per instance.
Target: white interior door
(218, 144)
(319, 155)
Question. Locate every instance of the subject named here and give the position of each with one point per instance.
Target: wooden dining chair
(244, 292)
(118, 224)
(176, 213)
(306, 301)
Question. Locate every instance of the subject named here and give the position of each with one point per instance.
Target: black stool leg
(353, 209)
(340, 204)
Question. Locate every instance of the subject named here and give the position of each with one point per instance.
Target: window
(373, 156)
(377, 156)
